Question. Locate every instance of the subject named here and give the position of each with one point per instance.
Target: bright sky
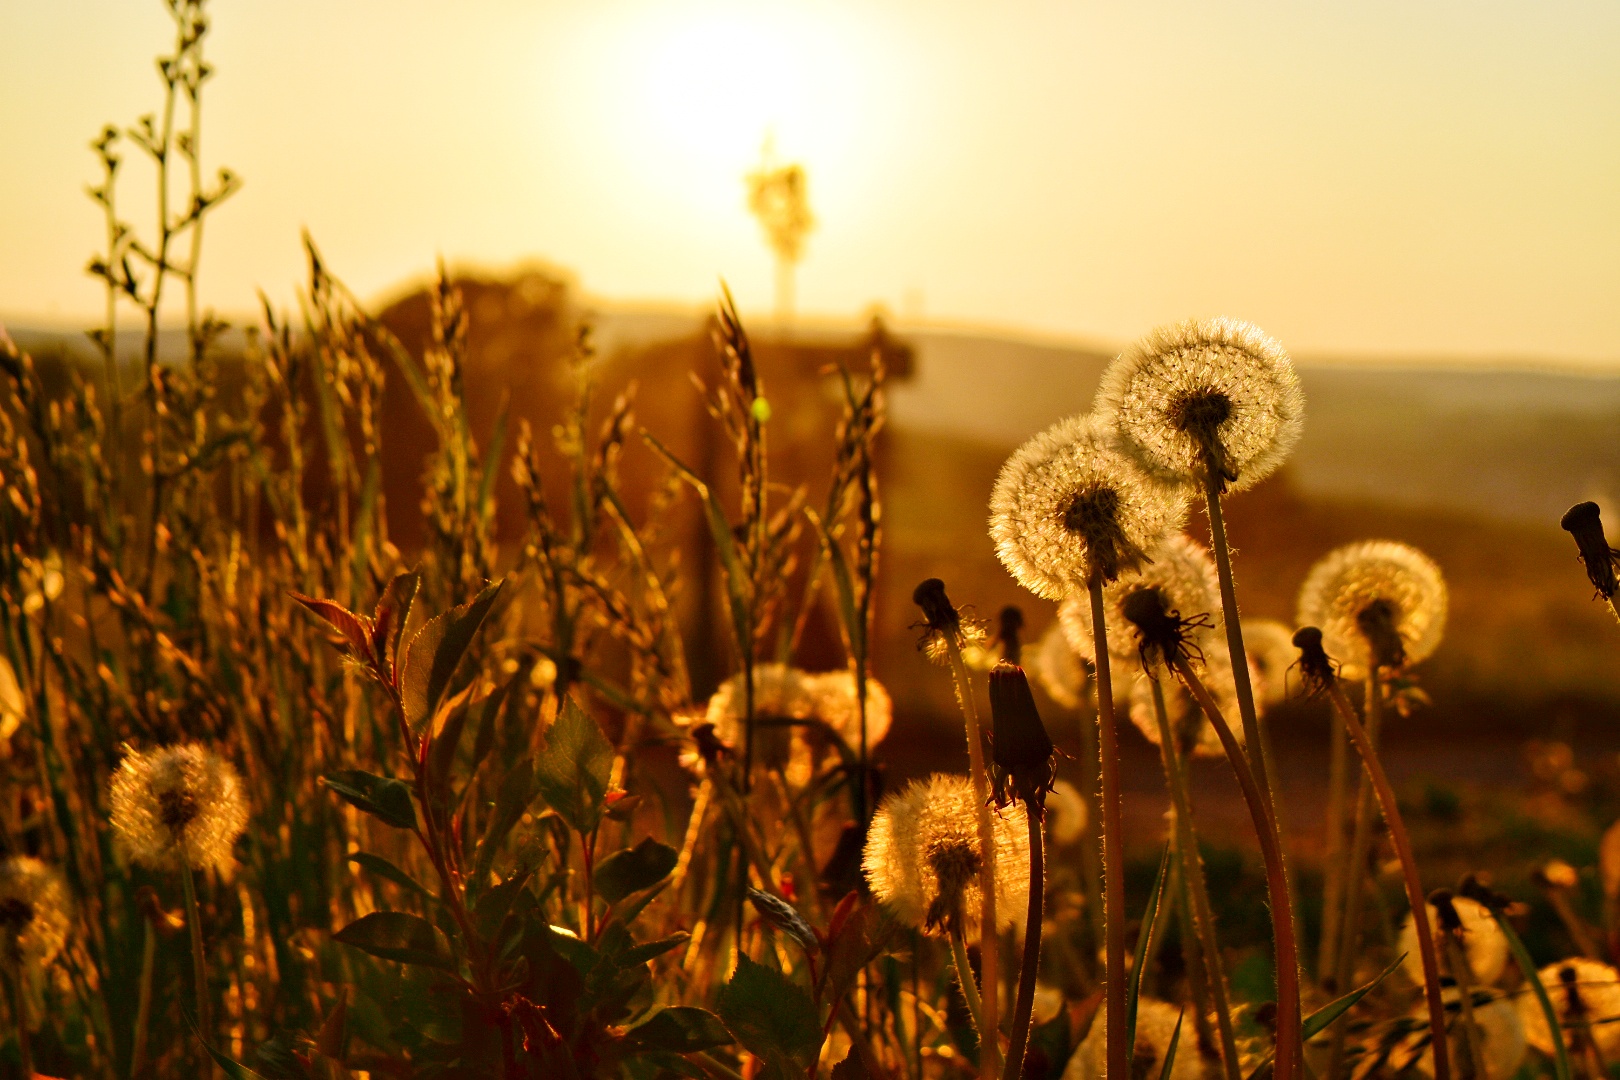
(1353, 175)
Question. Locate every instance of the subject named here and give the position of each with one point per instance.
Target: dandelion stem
(1023, 1011)
(19, 1012)
(1290, 1045)
(1333, 856)
(1350, 927)
(1089, 867)
(1192, 877)
(970, 989)
(1114, 975)
(1414, 888)
(143, 1011)
(990, 1054)
(1234, 637)
(199, 970)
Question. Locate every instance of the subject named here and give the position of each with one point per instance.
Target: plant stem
(1409, 871)
(1234, 638)
(19, 1012)
(1350, 928)
(199, 970)
(990, 1053)
(1333, 855)
(143, 1011)
(1023, 1012)
(1521, 956)
(1114, 974)
(970, 989)
(1090, 868)
(1192, 876)
(1290, 1044)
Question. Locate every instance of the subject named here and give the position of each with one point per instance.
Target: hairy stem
(1333, 856)
(1024, 1010)
(1192, 875)
(199, 970)
(970, 989)
(1114, 974)
(1290, 1044)
(1409, 872)
(1350, 926)
(143, 1011)
(990, 1054)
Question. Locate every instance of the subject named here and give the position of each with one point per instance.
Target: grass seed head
(922, 855)
(35, 915)
(1069, 508)
(178, 805)
(1376, 602)
(1205, 397)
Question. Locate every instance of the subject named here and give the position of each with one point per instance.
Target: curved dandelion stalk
(1321, 677)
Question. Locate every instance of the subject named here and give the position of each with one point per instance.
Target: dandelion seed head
(1198, 736)
(1205, 394)
(1270, 645)
(1482, 940)
(35, 914)
(1375, 600)
(1155, 1026)
(972, 637)
(178, 804)
(1068, 507)
(1057, 668)
(1182, 573)
(786, 693)
(1501, 1034)
(922, 855)
(1583, 992)
(834, 701)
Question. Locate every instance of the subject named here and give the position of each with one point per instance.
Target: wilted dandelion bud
(923, 857)
(1270, 645)
(1501, 1036)
(1066, 813)
(1069, 508)
(1011, 622)
(178, 805)
(1183, 576)
(1057, 668)
(1473, 926)
(1204, 398)
(1155, 1026)
(1583, 992)
(34, 913)
(944, 626)
(1196, 735)
(1377, 602)
(1316, 669)
(1584, 522)
(1021, 752)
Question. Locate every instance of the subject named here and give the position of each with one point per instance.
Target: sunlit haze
(1358, 178)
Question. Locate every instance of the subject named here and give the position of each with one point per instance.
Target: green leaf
(650, 950)
(398, 936)
(1170, 1053)
(1321, 1018)
(772, 1017)
(633, 869)
(492, 907)
(235, 1070)
(356, 633)
(380, 866)
(384, 798)
(435, 652)
(517, 791)
(1144, 941)
(393, 611)
(572, 772)
(680, 1029)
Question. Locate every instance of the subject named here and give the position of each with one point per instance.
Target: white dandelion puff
(35, 914)
(178, 804)
(1181, 572)
(923, 856)
(1206, 396)
(1270, 645)
(1375, 600)
(1155, 1026)
(1069, 507)
(1586, 996)
(1482, 939)
(1057, 667)
(1502, 1040)
(1194, 732)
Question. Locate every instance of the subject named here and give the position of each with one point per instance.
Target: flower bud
(1584, 522)
(1021, 752)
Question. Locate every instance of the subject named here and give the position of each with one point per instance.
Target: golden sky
(1356, 176)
